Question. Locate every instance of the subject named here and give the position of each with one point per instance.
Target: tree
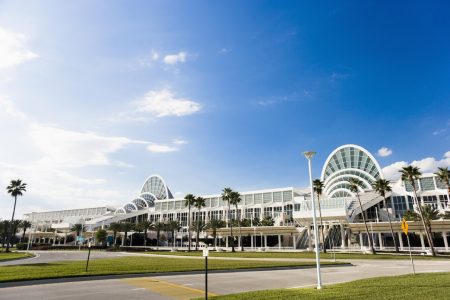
(226, 196)
(267, 221)
(429, 214)
(189, 200)
(215, 224)
(355, 184)
(145, 226)
(15, 188)
(444, 175)
(25, 225)
(235, 200)
(318, 188)
(411, 174)
(256, 221)
(4, 225)
(381, 186)
(158, 227)
(173, 226)
(101, 236)
(126, 227)
(115, 227)
(199, 204)
(77, 228)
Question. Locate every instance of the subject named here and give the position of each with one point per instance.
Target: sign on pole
(206, 254)
(405, 230)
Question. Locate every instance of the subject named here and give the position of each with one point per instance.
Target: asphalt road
(191, 285)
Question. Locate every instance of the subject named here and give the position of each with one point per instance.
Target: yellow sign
(404, 226)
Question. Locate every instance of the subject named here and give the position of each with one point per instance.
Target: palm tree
(77, 228)
(115, 227)
(267, 221)
(355, 184)
(173, 226)
(444, 175)
(158, 227)
(145, 226)
(429, 214)
(318, 188)
(412, 174)
(235, 200)
(189, 200)
(226, 196)
(215, 224)
(381, 186)
(126, 227)
(15, 188)
(25, 225)
(200, 202)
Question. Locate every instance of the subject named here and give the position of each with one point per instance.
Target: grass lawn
(421, 286)
(339, 256)
(13, 255)
(128, 265)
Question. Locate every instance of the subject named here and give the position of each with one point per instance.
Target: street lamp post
(309, 155)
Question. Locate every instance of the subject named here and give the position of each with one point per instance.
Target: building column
(444, 236)
(294, 241)
(279, 241)
(361, 240)
(226, 242)
(265, 241)
(349, 237)
(251, 241)
(400, 240)
(342, 236)
(310, 248)
(422, 241)
(380, 240)
(239, 242)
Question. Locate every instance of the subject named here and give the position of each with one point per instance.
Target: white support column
(342, 236)
(294, 241)
(265, 241)
(310, 248)
(251, 241)
(444, 236)
(279, 241)
(400, 240)
(380, 240)
(361, 240)
(239, 242)
(422, 241)
(226, 242)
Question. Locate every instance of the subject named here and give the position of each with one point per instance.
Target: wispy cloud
(335, 76)
(163, 103)
(173, 59)
(9, 107)
(384, 151)
(13, 49)
(224, 50)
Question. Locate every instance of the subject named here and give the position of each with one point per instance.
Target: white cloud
(179, 142)
(173, 59)
(384, 151)
(159, 148)
(13, 49)
(67, 148)
(426, 165)
(10, 108)
(163, 103)
(154, 55)
(223, 51)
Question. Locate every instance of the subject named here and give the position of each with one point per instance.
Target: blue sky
(97, 95)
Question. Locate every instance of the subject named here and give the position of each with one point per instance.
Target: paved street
(191, 285)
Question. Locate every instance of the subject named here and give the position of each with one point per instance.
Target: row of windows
(425, 184)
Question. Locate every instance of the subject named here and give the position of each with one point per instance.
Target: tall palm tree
(15, 188)
(158, 227)
(126, 227)
(235, 200)
(24, 225)
(381, 186)
(189, 200)
(318, 188)
(200, 202)
(115, 227)
(444, 175)
(429, 214)
(412, 174)
(173, 226)
(77, 228)
(215, 224)
(226, 196)
(145, 225)
(355, 184)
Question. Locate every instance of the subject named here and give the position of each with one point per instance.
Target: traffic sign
(404, 226)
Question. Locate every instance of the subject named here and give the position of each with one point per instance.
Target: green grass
(13, 255)
(339, 256)
(421, 286)
(129, 265)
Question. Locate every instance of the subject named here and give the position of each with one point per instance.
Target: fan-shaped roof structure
(345, 162)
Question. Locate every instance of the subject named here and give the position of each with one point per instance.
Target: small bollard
(89, 254)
